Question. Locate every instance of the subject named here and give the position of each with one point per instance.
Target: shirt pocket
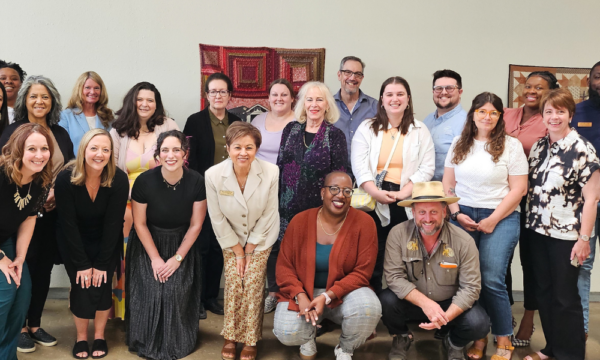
(446, 277)
(414, 268)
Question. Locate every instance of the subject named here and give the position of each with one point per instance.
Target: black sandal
(99, 345)
(79, 347)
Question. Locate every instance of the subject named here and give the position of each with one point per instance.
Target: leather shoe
(202, 314)
(214, 307)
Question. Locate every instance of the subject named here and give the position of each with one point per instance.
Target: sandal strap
(79, 347)
(505, 347)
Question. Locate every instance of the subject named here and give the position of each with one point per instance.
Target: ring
(86, 278)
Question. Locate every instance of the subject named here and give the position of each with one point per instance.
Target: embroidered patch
(412, 245)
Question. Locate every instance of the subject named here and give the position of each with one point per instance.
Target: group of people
(121, 198)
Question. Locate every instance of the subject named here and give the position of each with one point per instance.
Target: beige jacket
(406, 269)
(249, 217)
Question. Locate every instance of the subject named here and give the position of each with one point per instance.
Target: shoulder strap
(392, 152)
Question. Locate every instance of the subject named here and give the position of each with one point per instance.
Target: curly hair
(76, 101)
(21, 112)
(128, 121)
(495, 145)
(16, 67)
(381, 121)
(183, 140)
(12, 155)
(3, 110)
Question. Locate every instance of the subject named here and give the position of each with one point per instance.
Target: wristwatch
(296, 297)
(2, 254)
(455, 215)
(584, 237)
(178, 257)
(327, 298)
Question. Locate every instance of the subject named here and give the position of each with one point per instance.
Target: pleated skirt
(162, 318)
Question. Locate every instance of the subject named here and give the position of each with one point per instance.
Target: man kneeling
(432, 271)
(326, 259)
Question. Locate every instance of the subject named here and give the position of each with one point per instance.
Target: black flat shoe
(214, 307)
(99, 345)
(202, 315)
(81, 346)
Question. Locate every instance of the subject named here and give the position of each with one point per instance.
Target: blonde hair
(76, 101)
(332, 114)
(77, 165)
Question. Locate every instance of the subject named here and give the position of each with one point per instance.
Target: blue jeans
(585, 274)
(14, 303)
(495, 251)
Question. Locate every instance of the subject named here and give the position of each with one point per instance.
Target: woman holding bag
(396, 142)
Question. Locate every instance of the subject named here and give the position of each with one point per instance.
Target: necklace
(304, 139)
(394, 134)
(338, 230)
(22, 202)
(242, 186)
(174, 186)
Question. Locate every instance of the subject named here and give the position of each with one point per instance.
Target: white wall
(128, 41)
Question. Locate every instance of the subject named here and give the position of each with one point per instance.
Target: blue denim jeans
(495, 251)
(585, 274)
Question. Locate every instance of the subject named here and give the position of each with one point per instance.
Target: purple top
(269, 149)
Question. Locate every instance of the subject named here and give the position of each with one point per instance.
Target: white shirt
(91, 120)
(482, 183)
(11, 115)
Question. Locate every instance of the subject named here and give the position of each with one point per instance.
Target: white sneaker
(341, 355)
(308, 351)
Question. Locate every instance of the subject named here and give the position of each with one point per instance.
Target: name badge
(226, 193)
(584, 124)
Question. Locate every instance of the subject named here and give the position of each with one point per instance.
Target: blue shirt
(365, 108)
(587, 122)
(443, 129)
(322, 265)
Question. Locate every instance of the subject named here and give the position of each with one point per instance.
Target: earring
(407, 106)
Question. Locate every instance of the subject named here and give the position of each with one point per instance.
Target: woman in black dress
(25, 169)
(163, 277)
(91, 195)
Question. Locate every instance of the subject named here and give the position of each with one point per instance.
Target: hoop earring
(407, 106)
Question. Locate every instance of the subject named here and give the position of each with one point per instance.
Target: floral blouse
(557, 175)
(302, 170)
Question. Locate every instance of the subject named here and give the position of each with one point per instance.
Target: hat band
(425, 197)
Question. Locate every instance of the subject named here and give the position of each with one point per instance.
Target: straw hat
(432, 191)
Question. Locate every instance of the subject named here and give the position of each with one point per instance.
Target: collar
(458, 108)
(415, 243)
(361, 96)
(565, 142)
(215, 121)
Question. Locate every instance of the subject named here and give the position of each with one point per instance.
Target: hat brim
(447, 200)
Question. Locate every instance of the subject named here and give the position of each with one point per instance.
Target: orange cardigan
(351, 261)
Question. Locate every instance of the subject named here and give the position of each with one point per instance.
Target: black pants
(525, 253)
(212, 261)
(271, 265)
(471, 325)
(41, 255)
(558, 298)
(397, 215)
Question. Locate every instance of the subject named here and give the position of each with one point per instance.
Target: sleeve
(363, 269)
(171, 124)
(269, 220)
(427, 155)
(116, 145)
(113, 221)
(64, 120)
(200, 189)
(138, 192)
(588, 163)
(190, 132)
(469, 276)
(67, 211)
(287, 278)
(225, 235)
(448, 163)
(517, 162)
(394, 268)
(280, 157)
(339, 150)
(360, 154)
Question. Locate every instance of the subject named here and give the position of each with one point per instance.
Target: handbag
(361, 200)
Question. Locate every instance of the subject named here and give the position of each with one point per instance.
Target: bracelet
(240, 257)
(247, 254)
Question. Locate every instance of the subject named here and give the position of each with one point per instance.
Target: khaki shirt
(406, 268)
(219, 128)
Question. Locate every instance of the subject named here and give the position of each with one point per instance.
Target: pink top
(528, 133)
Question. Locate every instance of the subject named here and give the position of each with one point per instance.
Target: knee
(294, 336)
(388, 299)
(478, 322)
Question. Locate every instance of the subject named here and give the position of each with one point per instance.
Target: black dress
(162, 318)
(90, 235)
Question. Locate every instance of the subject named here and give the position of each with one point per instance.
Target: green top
(322, 265)
(219, 127)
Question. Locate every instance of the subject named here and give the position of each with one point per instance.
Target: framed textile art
(574, 79)
(252, 69)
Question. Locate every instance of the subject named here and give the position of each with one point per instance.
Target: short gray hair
(352, 58)
(53, 116)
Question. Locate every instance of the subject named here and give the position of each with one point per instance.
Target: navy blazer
(77, 125)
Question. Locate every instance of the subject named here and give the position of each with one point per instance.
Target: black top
(90, 229)
(202, 142)
(168, 207)
(10, 214)
(60, 134)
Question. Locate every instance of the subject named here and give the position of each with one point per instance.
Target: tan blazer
(249, 217)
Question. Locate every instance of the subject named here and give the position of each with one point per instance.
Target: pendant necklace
(22, 202)
(174, 186)
(338, 230)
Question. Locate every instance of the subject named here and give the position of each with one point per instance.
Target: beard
(594, 97)
(429, 233)
(450, 105)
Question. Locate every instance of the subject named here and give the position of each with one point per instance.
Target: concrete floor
(58, 321)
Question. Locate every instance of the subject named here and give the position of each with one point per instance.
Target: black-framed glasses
(213, 93)
(334, 190)
(449, 88)
(349, 73)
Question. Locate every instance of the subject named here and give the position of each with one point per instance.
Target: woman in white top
(488, 170)
(413, 160)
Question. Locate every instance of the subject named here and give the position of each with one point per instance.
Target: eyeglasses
(334, 190)
(349, 73)
(449, 88)
(494, 114)
(213, 93)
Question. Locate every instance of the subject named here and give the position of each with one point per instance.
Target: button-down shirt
(365, 108)
(406, 268)
(219, 128)
(557, 175)
(443, 129)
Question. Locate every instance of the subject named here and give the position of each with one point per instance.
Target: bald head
(336, 174)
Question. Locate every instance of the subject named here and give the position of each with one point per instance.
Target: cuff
(364, 178)
(462, 303)
(404, 290)
(228, 240)
(256, 239)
